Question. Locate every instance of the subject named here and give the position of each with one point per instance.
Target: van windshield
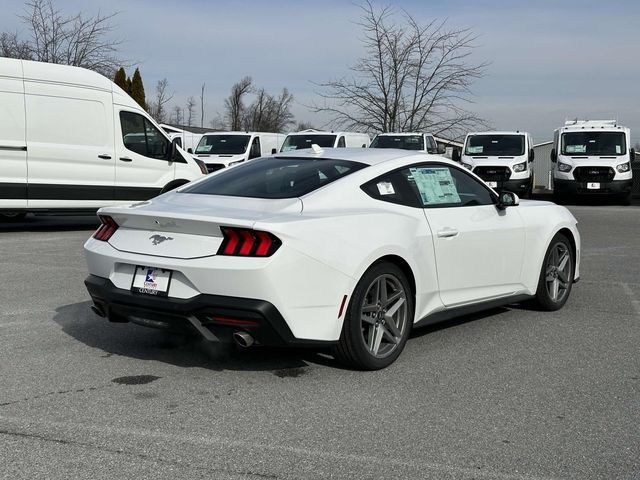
(223, 144)
(405, 142)
(275, 177)
(298, 142)
(594, 143)
(494, 145)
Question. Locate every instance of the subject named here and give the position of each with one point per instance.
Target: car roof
(401, 134)
(368, 156)
(499, 132)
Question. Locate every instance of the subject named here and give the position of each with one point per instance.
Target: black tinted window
(140, 136)
(394, 187)
(298, 142)
(493, 145)
(404, 142)
(221, 144)
(275, 177)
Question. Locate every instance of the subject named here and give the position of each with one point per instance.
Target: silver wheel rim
(383, 315)
(558, 271)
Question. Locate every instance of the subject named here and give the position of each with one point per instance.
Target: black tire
(559, 198)
(625, 199)
(353, 349)
(12, 216)
(544, 297)
(173, 185)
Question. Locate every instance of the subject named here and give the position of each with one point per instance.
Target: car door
(142, 150)
(13, 145)
(479, 248)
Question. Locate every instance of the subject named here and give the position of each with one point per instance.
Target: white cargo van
(224, 149)
(502, 159)
(305, 138)
(71, 140)
(592, 157)
(422, 142)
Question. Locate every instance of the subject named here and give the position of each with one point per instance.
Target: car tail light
(107, 229)
(242, 242)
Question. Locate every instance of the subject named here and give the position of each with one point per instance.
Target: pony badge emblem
(158, 239)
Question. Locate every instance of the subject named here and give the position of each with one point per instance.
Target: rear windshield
(594, 143)
(223, 144)
(405, 142)
(275, 177)
(495, 145)
(298, 142)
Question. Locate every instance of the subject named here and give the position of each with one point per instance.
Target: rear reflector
(242, 242)
(233, 321)
(107, 229)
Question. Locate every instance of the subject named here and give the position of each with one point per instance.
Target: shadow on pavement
(182, 350)
(50, 223)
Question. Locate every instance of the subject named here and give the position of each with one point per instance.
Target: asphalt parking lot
(510, 394)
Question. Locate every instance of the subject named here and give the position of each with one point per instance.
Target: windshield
(405, 142)
(593, 143)
(495, 145)
(223, 144)
(275, 177)
(298, 142)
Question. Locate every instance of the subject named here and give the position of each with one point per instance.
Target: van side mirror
(554, 155)
(507, 199)
(173, 150)
(455, 155)
(190, 150)
(532, 155)
(274, 151)
(632, 155)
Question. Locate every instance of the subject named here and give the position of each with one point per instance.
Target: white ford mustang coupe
(347, 248)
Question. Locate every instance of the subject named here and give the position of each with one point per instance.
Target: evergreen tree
(128, 89)
(120, 79)
(137, 89)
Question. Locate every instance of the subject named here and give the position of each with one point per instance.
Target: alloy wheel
(558, 272)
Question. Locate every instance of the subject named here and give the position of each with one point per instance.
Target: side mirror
(554, 155)
(274, 151)
(632, 155)
(455, 155)
(173, 150)
(190, 150)
(532, 155)
(507, 199)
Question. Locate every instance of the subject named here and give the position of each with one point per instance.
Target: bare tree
(202, 106)
(12, 47)
(303, 126)
(177, 115)
(158, 107)
(413, 77)
(234, 106)
(191, 105)
(82, 41)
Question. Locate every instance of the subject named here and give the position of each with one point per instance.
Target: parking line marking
(25, 427)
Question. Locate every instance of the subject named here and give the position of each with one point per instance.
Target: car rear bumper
(220, 315)
(574, 187)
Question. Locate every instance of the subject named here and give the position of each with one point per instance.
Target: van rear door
(13, 145)
(70, 141)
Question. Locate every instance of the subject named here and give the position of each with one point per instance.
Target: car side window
(394, 187)
(446, 186)
(342, 143)
(255, 148)
(140, 136)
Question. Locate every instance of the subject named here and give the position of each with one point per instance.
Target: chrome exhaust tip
(243, 339)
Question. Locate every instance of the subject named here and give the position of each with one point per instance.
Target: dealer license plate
(492, 184)
(151, 281)
(593, 186)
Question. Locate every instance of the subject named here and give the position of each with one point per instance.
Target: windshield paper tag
(386, 188)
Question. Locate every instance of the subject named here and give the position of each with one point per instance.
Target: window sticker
(618, 149)
(576, 148)
(386, 188)
(472, 150)
(436, 185)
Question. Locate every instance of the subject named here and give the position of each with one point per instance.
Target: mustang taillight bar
(242, 242)
(107, 229)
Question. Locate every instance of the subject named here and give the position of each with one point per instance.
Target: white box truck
(502, 159)
(306, 138)
(219, 150)
(592, 157)
(71, 140)
(422, 142)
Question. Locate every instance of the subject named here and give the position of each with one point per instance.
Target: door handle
(447, 232)
(125, 159)
(104, 156)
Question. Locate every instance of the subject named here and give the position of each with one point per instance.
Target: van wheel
(173, 185)
(625, 199)
(12, 216)
(378, 320)
(556, 275)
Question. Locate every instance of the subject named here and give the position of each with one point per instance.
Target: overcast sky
(549, 59)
